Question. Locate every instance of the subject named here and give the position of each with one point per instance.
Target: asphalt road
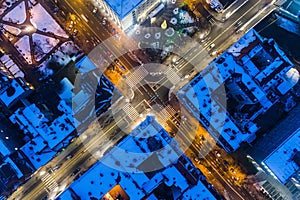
(43, 182)
(93, 32)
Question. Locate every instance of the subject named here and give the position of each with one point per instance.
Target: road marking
(172, 76)
(92, 30)
(231, 25)
(130, 112)
(136, 76)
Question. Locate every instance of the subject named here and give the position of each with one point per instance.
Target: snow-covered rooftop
(45, 136)
(11, 66)
(13, 165)
(280, 162)
(245, 73)
(123, 7)
(33, 121)
(34, 152)
(290, 79)
(199, 95)
(4, 151)
(66, 89)
(85, 65)
(11, 92)
(237, 48)
(125, 164)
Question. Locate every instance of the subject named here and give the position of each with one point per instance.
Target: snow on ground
(44, 70)
(4, 5)
(61, 56)
(43, 21)
(23, 47)
(69, 48)
(16, 15)
(12, 30)
(43, 45)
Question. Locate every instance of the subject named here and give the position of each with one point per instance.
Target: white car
(95, 10)
(211, 46)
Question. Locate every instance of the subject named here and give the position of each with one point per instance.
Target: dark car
(75, 171)
(78, 176)
(56, 167)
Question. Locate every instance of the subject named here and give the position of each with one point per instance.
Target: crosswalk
(135, 77)
(166, 113)
(130, 112)
(212, 21)
(47, 178)
(172, 76)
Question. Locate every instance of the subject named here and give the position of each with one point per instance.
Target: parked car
(56, 167)
(75, 171)
(95, 10)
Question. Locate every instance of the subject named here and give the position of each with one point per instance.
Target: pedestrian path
(136, 77)
(130, 111)
(48, 179)
(172, 76)
(166, 113)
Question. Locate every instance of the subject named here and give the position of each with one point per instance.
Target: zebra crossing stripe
(135, 77)
(131, 112)
(172, 76)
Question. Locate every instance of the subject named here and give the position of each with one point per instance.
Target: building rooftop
(123, 7)
(281, 163)
(4, 151)
(237, 87)
(46, 135)
(37, 152)
(10, 90)
(150, 161)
